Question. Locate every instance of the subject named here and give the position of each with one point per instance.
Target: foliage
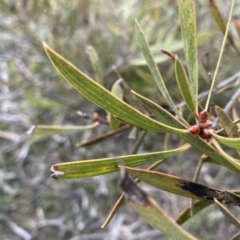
(128, 110)
(123, 112)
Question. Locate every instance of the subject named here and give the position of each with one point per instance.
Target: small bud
(207, 124)
(206, 134)
(203, 116)
(195, 129)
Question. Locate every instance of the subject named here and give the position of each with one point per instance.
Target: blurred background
(34, 206)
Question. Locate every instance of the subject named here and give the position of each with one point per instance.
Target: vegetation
(135, 129)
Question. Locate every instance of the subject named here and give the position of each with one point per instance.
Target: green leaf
(146, 207)
(155, 215)
(187, 14)
(118, 92)
(197, 207)
(220, 56)
(182, 81)
(162, 114)
(183, 84)
(46, 131)
(102, 97)
(227, 122)
(217, 16)
(40, 132)
(223, 152)
(173, 46)
(96, 64)
(195, 141)
(230, 142)
(163, 181)
(221, 23)
(183, 187)
(90, 168)
(228, 214)
(153, 68)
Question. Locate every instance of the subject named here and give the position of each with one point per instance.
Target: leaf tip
(137, 23)
(44, 45)
(171, 55)
(56, 173)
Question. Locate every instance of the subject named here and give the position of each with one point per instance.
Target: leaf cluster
(203, 136)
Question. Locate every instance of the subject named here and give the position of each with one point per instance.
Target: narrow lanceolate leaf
(182, 81)
(49, 130)
(145, 206)
(214, 154)
(195, 141)
(117, 91)
(183, 187)
(162, 114)
(217, 16)
(173, 45)
(226, 122)
(220, 55)
(228, 214)
(187, 13)
(222, 152)
(103, 98)
(183, 84)
(221, 22)
(96, 64)
(196, 207)
(230, 142)
(90, 168)
(143, 44)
